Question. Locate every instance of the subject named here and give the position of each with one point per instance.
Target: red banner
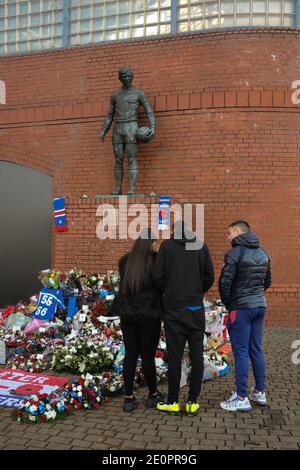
(17, 385)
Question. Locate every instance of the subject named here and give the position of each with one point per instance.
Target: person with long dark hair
(138, 303)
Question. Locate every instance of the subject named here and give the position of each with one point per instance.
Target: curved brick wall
(227, 136)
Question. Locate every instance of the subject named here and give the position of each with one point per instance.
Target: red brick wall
(227, 136)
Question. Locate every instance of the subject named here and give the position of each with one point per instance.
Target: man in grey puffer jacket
(245, 276)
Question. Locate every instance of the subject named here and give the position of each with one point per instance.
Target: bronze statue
(123, 110)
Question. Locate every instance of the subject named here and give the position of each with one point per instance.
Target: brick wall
(227, 136)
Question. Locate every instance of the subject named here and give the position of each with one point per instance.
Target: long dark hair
(139, 263)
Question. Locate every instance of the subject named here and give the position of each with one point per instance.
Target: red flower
(43, 418)
(160, 354)
(42, 396)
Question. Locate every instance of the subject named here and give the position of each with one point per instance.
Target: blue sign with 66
(49, 300)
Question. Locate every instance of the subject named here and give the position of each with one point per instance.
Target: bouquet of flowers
(87, 293)
(82, 356)
(84, 393)
(112, 384)
(42, 408)
(99, 310)
(161, 372)
(214, 318)
(6, 313)
(50, 279)
(29, 362)
(94, 281)
(215, 365)
(114, 280)
(139, 378)
(216, 357)
(12, 338)
(70, 282)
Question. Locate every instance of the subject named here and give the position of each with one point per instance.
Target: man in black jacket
(184, 273)
(245, 276)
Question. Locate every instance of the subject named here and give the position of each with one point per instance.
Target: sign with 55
(48, 302)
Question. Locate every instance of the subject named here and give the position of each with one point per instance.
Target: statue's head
(126, 76)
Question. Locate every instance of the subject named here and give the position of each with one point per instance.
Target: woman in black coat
(138, 303)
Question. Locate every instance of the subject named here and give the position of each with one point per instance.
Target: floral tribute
(42, 408)
(85, 393)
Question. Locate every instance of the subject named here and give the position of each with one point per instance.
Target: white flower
(79, 388)
(81, 367)
(32, 418)
(51, 414)
(33, 408)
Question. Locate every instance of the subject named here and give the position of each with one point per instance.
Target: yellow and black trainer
(171, 408)
(192, 409)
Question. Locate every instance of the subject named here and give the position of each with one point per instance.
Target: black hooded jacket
(146, 305)
(246, 274)
(183, 275)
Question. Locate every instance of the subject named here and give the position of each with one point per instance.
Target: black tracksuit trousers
(182, 325)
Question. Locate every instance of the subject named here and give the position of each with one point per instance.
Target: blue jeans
(245, 328)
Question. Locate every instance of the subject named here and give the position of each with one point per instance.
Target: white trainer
(259, 398)
(235, 404)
